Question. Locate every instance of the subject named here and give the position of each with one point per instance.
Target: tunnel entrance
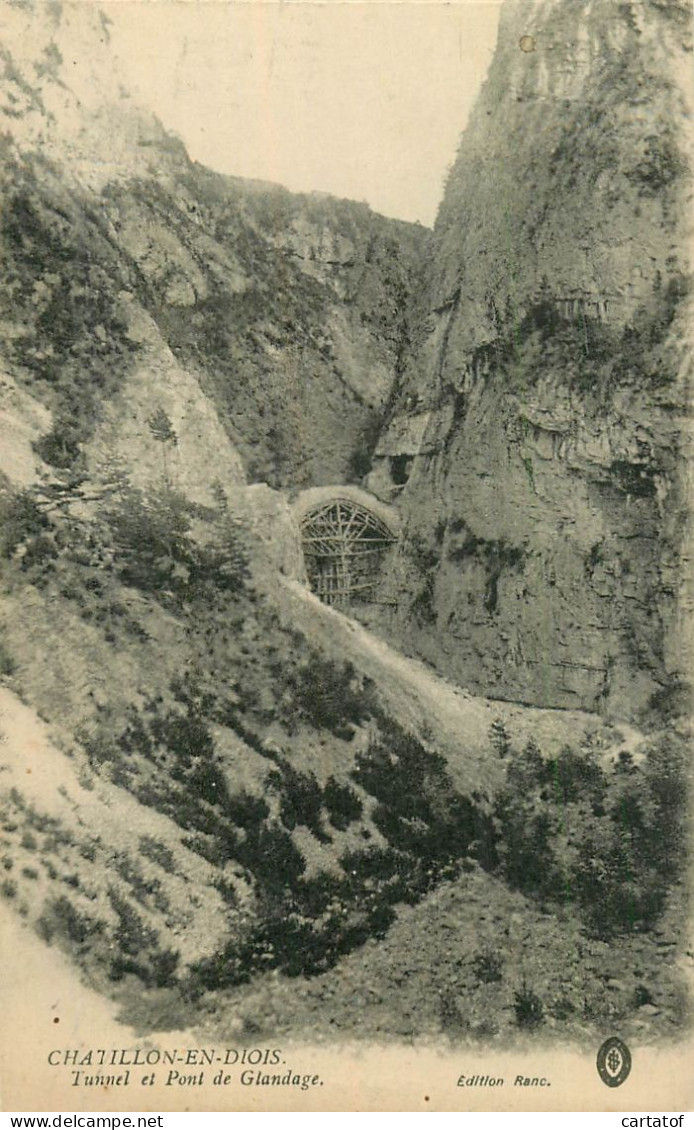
(400, 469)
(344, 543)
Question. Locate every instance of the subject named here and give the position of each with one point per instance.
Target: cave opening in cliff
(400, 469)
(344, 544)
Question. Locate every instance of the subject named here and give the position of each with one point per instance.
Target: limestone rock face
(162, 427)
(545, 504)
(287, 313)
(295, 309)
(268, 515)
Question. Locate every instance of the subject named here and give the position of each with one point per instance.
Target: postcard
(345, 555)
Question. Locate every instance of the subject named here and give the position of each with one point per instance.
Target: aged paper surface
(122, 989)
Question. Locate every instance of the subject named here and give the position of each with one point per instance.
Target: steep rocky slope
(291, 310)
(539, 445)
(288, 314)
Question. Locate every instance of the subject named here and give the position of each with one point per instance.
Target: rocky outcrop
(546, 501)
(293, 308)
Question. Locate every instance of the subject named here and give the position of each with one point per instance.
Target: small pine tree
(161, 427)
(500, 738)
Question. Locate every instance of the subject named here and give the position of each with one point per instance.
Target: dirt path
(456, 722)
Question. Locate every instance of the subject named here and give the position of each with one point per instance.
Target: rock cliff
(539, 443)
(276, 321)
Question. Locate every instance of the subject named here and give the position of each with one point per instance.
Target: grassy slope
(227, 714)
(474, 962)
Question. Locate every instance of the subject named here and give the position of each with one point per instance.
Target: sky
(365, 100)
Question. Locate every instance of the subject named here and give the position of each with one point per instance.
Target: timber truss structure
(344, 543)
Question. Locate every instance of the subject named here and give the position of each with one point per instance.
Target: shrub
(187, 740)
(76, 347)
(138, 949)
(661, 164)
(528, 1008)
(271, 856)
(150, 535)
(158, 852)
(301, 798)
(304, 925)
(331, 697)
(419, 809)
(144, 889)
(132, 935)
(630, 861)
(8, 667)
(21, 519)
(615, 843)
(342, 803)
(422, 607)
(163, 965)
(487, 966)
(673, 700)
(157, 554)
(500, 738)
(246, 810)
(62, 918)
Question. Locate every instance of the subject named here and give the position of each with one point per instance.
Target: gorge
(473, 443)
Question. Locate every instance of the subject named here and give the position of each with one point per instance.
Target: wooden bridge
(346, 534)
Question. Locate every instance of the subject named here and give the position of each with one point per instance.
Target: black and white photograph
(345, 554)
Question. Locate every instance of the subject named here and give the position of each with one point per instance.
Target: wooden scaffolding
(344, 543)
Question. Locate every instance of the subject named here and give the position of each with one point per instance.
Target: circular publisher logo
(614, 1062)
